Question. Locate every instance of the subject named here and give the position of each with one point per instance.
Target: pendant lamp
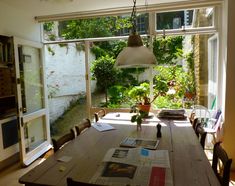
(135, 54)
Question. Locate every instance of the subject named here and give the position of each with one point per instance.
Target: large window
(187, 57)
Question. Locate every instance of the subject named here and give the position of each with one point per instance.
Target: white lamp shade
(135, 57)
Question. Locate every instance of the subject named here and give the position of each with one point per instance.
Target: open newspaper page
(137, 166)
(138, 142)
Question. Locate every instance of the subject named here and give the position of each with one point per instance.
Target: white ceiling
(50, 7)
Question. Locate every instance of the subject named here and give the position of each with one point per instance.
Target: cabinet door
(32, 100)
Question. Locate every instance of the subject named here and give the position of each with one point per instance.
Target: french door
(32, 104)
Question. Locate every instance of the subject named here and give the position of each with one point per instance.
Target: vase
(139, 127)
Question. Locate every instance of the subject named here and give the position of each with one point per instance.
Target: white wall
(229, 130)
(65, 73)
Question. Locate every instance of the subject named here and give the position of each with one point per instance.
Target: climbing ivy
(168, 49)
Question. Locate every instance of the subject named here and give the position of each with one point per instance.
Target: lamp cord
(133, 17)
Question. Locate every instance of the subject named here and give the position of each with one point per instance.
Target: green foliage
(92, 28)
(168, 50)
(117, 94)
(191, 87)
(48, 26)
(170, 77)
(104, 72)
(168, 102)
(50, 50)
(52, 37)
(140, 93)
(99, 52)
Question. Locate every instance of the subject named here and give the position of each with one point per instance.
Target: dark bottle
(159, 134)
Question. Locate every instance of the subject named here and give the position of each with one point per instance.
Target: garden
(173, 76)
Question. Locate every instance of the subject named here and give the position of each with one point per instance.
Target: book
(138, 142)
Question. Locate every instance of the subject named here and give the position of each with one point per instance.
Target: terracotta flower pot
(144, 108)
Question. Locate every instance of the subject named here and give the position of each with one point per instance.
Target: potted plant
(141, 95)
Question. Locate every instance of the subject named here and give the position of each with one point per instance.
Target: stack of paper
(172, 113)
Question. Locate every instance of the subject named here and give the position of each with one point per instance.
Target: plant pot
(144, 108)
(189, 95)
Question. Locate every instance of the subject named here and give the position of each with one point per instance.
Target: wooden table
(189, 164)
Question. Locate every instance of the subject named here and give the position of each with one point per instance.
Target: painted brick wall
(65, 72)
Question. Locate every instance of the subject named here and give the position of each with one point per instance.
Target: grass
(73, 115)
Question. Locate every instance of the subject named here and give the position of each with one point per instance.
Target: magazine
(136, 166)
(138, 142)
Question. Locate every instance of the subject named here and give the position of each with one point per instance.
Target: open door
(34, 130)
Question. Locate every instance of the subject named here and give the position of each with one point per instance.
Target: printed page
(137, 166)
(138, 142)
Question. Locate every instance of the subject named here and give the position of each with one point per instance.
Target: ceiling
(50, 7)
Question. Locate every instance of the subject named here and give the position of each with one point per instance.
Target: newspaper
(139, 142)
(134, 167)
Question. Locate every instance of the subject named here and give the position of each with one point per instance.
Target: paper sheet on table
(102, 126)
(64, 158)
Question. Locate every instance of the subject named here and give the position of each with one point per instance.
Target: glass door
(32, 100)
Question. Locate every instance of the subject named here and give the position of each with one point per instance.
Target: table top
(189, 164)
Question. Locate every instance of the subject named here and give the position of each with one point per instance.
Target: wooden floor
(10, 176)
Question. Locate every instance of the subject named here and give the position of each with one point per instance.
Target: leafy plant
(140, 93)
(168, 50)
(48, 26)
(116, 94)
(104, 72)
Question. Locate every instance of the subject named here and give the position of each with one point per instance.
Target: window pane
(31, 79)
(35, 133)
(94, 27)
(194, 18)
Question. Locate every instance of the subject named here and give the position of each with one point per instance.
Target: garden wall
(65, 74)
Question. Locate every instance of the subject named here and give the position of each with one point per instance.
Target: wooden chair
(101, 113)
(71, 182)
(201, 134)
(195, 123)
(219, 155)
(86, 123)
(62, 140)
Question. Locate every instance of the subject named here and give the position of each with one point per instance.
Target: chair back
(71, 182)
(101, 113)
(195, 123)
(201, 134)
(202, 113)
(220, 155)
(86, 123)
(62, 140)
